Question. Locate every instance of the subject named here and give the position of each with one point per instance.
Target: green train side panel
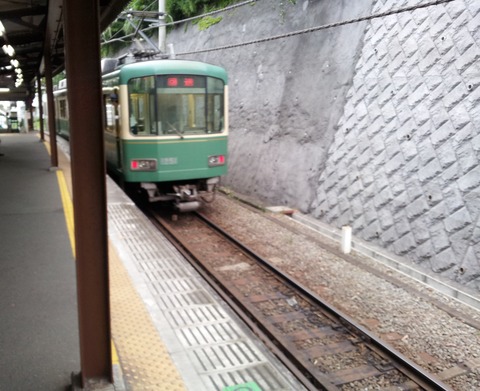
(63, 127)
(176, 160)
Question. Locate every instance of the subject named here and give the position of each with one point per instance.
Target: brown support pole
(82, 38)
(30, 119)
(51, 108)
(40, 107)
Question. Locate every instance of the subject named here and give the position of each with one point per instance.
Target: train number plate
(168, 161)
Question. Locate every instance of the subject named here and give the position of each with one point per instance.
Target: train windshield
(176, 104)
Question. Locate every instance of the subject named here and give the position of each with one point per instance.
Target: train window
(142, 101)
(215, 107)
(111, 112)
(62, 103)
(176, 104)
(190, 104)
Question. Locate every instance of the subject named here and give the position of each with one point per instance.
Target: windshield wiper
(175, 130)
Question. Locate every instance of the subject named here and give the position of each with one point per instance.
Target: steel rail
(402, 363)
(240, 310)
(308, 377)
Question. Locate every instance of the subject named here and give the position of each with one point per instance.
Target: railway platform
(38, 328)
(169, 329)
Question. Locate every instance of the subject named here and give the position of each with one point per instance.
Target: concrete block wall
(403, 168)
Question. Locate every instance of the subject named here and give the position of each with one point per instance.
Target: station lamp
(10, 51)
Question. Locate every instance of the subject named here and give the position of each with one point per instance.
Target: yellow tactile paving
(144, 359)
(67, 207)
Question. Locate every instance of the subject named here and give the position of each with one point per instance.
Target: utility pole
(162, 30)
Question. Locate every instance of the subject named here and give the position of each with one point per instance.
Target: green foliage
(182, 9)
(176, 10)
(116, 30)
(208, 21)
(283, 8)
(56, 79)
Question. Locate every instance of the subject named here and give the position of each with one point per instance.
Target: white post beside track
(346, 239)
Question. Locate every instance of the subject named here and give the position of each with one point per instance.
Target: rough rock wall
(375, 124)
(286, 95)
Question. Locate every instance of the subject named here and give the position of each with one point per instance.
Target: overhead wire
(122, 38)
(319, 28)
(155, 26)
(286, 35)
(212, 12)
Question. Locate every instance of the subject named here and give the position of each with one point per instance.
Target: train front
(173, 130)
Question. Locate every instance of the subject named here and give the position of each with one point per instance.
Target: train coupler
(190, 206)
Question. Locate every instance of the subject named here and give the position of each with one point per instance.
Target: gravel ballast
(439, 333)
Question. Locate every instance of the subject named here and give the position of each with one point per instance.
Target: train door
(112, 129)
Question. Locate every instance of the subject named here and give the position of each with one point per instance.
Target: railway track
(322, 347)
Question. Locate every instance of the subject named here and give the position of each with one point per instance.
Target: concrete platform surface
(38, 327)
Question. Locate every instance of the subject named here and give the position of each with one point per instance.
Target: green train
(165, 129)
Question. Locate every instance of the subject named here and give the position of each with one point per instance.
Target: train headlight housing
(143, 164)
(216, 160)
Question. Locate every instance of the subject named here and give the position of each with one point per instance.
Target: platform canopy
(26, 28)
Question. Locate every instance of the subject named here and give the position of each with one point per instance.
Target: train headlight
(143, 164)
(216, 160)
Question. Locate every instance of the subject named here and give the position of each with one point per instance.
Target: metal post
(51, 108)
(82, 38)
(162, 29)
(30, 116)
(40, 107)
